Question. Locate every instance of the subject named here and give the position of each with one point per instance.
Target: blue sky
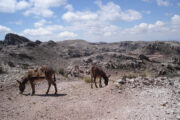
(91, 20)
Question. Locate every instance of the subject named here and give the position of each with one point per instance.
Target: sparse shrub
(1, 70)
(25, 66)
(61, 71)
(129, 76)
(143, 75)
(87, 79)
(11, 64)
(66, 75)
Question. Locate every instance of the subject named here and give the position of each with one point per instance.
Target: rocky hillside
(144, 82)
(156, 57)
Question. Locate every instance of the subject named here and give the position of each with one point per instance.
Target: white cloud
(10, 6)
(22, 5)
(40, 23)
(43, 30)
(54, 28)
(146, 28)
(108, 12)
(42, 7)
(95, 31)
(37, 32)
(79, 16)
(178, 4)
(39, 12)
(112, 11)
(162, 3)
(67, 34)
(69, 7)
(175, 20)
(4, 29)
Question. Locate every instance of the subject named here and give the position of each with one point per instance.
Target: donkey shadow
(46, 95)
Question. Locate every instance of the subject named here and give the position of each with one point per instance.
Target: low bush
(25, 66)
(11, 64)
(1, 70)
(61, 71)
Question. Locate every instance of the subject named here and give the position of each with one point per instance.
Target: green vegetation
(61, 71)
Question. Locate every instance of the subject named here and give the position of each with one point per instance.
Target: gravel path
(77, 101)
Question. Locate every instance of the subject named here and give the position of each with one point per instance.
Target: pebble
(164, 103)
(178, 117)
(119, 91)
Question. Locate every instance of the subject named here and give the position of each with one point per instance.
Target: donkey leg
(100, 83)
(33, 87)
(91, 82)
(49, 85)
(55, 87)
(95, 82)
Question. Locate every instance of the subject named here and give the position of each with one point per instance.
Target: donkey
(38, 74)
(98, 72)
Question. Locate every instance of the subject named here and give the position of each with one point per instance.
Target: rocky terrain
(144, 83)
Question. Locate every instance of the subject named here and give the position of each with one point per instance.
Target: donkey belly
(39, 79)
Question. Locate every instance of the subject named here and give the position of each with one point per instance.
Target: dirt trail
(77, 101)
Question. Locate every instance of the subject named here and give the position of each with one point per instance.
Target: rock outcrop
(13, 39)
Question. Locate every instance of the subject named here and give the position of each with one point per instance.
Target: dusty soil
(77, 101)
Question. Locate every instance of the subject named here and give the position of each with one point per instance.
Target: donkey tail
(54, 78)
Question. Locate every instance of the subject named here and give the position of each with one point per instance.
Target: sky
(91, 20)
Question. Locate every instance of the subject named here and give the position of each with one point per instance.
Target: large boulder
(13, 39)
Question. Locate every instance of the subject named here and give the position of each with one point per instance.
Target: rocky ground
(123, 99)
(144, 84)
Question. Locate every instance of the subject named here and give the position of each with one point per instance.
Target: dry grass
(131, 75)
(87, 79)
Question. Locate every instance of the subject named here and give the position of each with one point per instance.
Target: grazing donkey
(38, 74)
(98, 72)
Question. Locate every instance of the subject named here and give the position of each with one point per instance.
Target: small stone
(121, 81)
(178, 117)
(9, 98)
(179, 104)
(164, 103)
(119, 91)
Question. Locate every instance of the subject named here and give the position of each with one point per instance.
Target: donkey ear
(18, 81)
(109, 76)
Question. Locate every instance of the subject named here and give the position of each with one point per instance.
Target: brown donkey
(98, 72)
(38, 74)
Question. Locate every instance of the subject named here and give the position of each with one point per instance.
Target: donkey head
(106, 79)
(21, 86)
